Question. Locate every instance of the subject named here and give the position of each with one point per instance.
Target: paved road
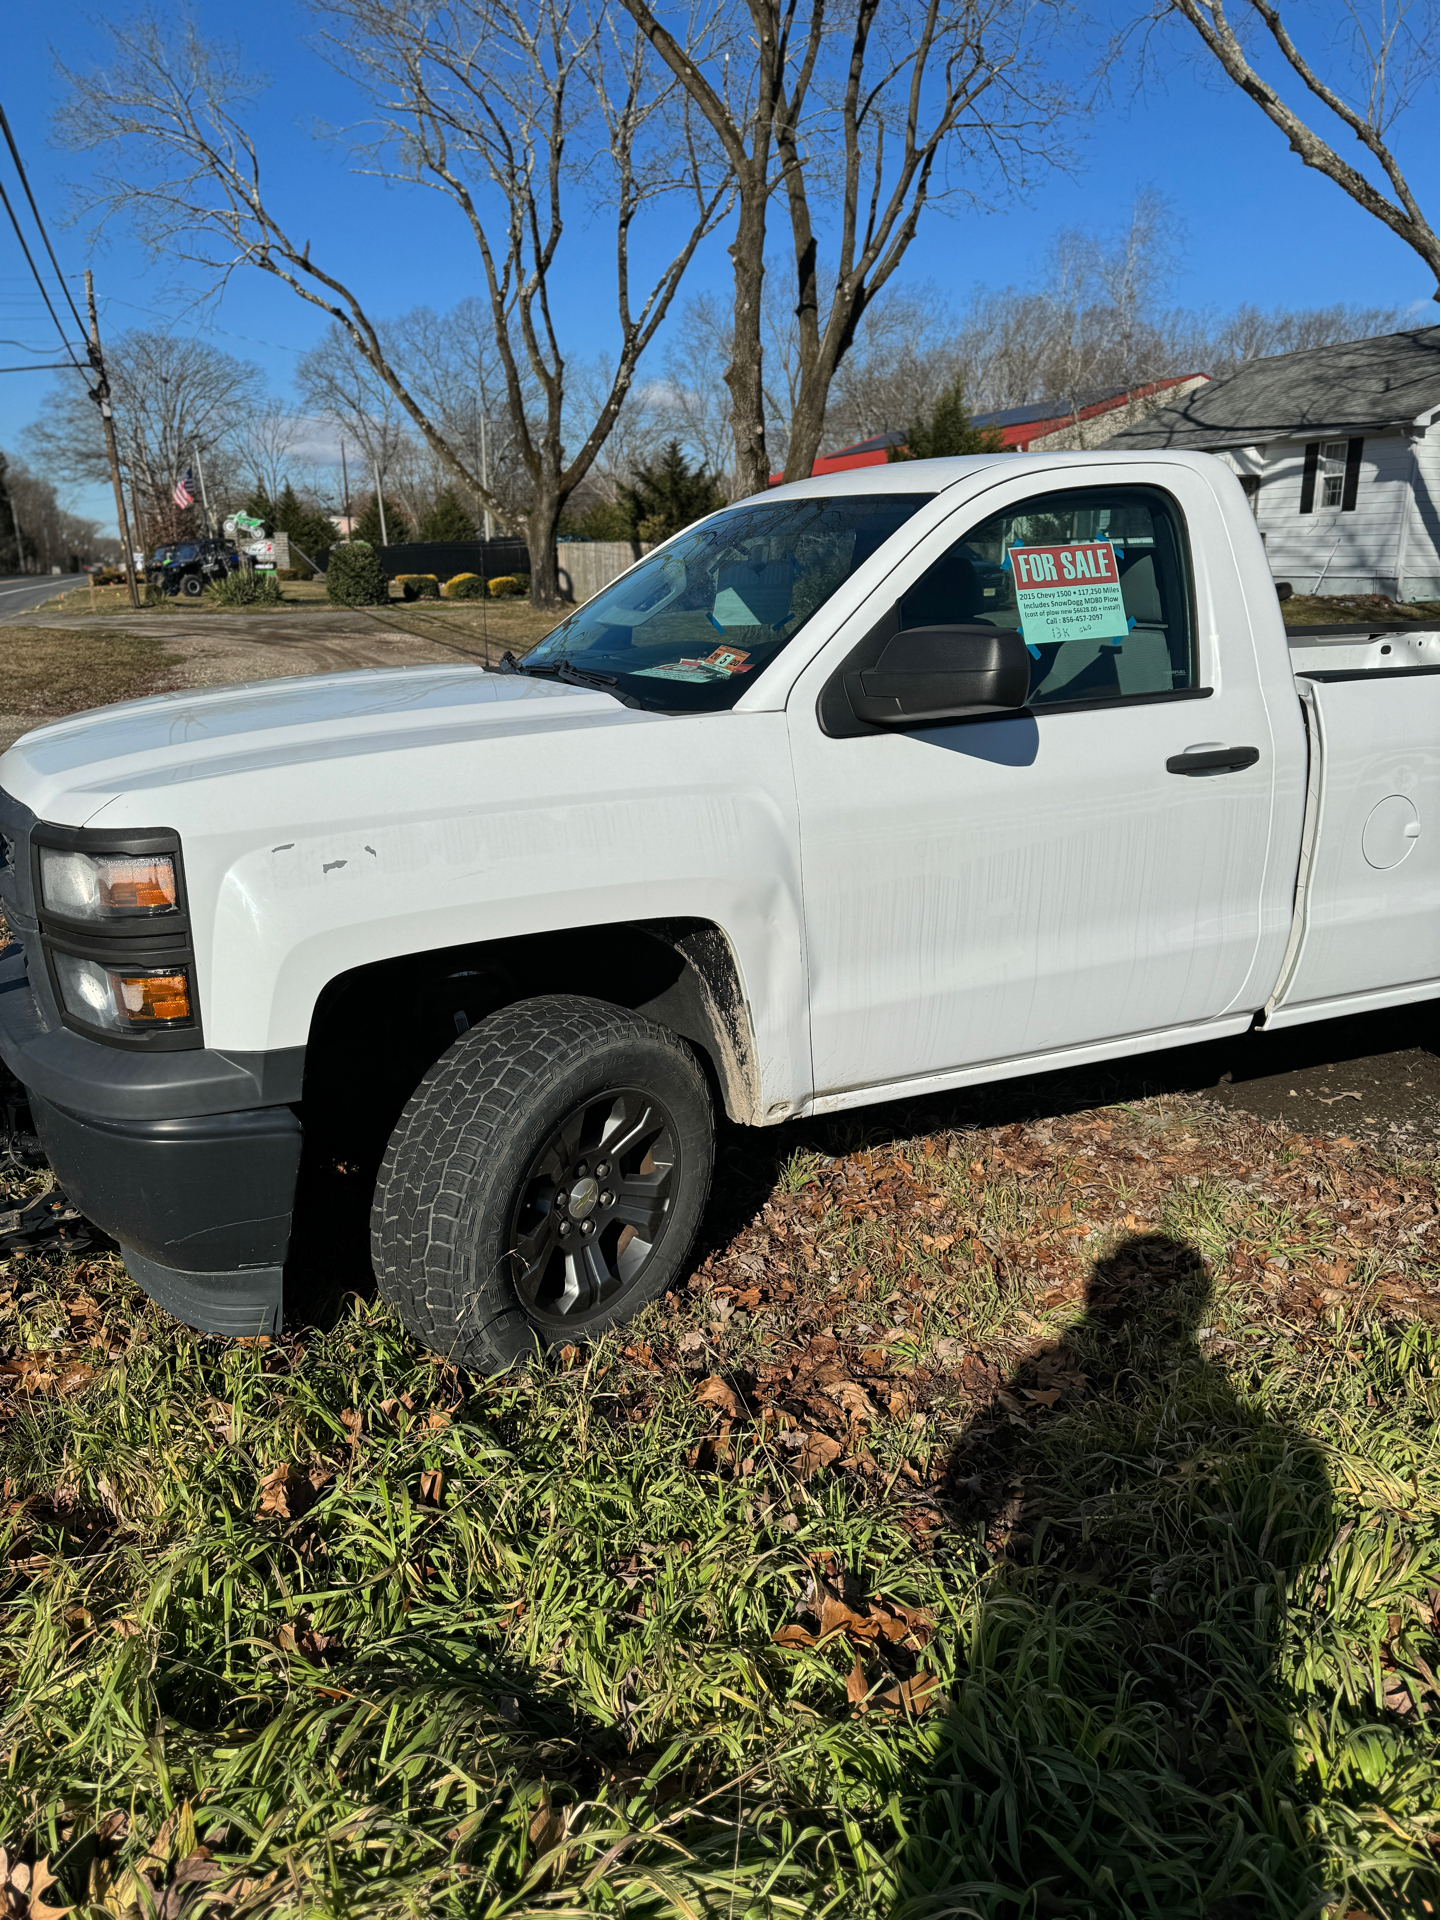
(20, 596)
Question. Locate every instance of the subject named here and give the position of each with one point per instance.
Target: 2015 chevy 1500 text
(885, 782)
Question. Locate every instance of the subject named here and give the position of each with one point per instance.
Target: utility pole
(100, 394)
(380, 503)
(204, 497)
(485, 469)
(345, 486)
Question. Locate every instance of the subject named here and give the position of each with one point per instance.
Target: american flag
(184, 495)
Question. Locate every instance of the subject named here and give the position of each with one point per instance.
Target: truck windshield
(691, 627)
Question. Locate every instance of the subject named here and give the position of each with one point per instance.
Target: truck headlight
(115, 934)
(108, 887)
(123, 1000)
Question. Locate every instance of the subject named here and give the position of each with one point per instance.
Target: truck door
(1087, 871)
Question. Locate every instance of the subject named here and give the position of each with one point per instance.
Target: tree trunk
(744, 373)
(540, 532)
(808, 421)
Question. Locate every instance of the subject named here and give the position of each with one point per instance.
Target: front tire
(544, 1181)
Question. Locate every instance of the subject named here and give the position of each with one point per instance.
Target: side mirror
(941, 673)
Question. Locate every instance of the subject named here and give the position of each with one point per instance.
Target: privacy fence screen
(446, 558)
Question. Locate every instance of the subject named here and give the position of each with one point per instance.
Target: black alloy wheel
(593, 1205)
(545, 1180)
(192, 584)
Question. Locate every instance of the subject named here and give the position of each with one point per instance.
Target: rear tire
(544, 1181)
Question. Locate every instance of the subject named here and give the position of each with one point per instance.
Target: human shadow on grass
(1120, 1738)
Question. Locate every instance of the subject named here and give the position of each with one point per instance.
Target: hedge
(418, 586)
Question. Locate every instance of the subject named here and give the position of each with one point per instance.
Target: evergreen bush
(353, 577)
(464, 587)
(448, 519)
(507, 586)
(245, 588)
(669, 494)
(946, 431)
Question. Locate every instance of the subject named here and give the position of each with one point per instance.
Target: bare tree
(697, 401)
(1248, 333)
(36, 531)
(265, 444)
(475, 99)
(1387, 51)
(905, 355)
(1096, 321)
(761, 70)
(336, 381)
(174, 397)
(874, 111)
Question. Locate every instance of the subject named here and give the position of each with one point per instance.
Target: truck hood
(69, 771)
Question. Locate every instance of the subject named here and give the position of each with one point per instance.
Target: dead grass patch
(49, 671)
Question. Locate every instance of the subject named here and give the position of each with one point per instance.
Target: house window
(1333, 472)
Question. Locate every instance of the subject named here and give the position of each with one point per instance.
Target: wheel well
(378, 1028)
(680, 974)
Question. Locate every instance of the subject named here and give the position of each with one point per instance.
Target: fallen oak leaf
(817, 1451)
(276, 1490)
(851, 1396)
(914, 1696)
(713, 1392)
(793, 1635)
(432, 1483)
(838, 1617)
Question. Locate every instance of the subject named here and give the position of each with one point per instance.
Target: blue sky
(1257, 225)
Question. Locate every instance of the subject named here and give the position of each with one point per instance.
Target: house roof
(1386, 381)
(1017, 426)
(1048, 409)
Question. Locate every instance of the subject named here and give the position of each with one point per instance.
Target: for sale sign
(1069, 593)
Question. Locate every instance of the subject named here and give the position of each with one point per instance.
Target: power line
(35, 212)
(39, 282)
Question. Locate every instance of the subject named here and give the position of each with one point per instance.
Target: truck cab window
(1096, 580)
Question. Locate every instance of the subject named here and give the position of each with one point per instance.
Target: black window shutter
(1353, 475)
(1308, 476)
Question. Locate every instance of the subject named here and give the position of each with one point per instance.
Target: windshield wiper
(574, 676)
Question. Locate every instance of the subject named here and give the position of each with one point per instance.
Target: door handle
(1213, 760)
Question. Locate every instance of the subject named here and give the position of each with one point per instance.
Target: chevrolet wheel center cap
(583, 1197)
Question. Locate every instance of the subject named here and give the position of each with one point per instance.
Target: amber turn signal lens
(152, 997)
(106, 887)
(121, 1000)
(144, 886)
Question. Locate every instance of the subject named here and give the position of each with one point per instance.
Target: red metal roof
(1016, 435)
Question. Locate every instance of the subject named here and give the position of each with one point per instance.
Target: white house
(1338, 449)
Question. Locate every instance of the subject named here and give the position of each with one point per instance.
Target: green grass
(511, 1649)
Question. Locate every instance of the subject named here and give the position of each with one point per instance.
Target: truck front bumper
(200, 1202)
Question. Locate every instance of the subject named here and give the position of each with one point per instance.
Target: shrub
(354, 577)
(507, 586)
(294, 573)
(418, 586)
(464, 587)
(245, 588)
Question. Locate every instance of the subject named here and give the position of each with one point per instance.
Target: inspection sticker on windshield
(1068, 593)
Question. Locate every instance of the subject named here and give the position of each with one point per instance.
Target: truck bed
(1364, 934)
(1323, 651)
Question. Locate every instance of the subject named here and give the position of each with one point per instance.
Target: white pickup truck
(882, 783)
